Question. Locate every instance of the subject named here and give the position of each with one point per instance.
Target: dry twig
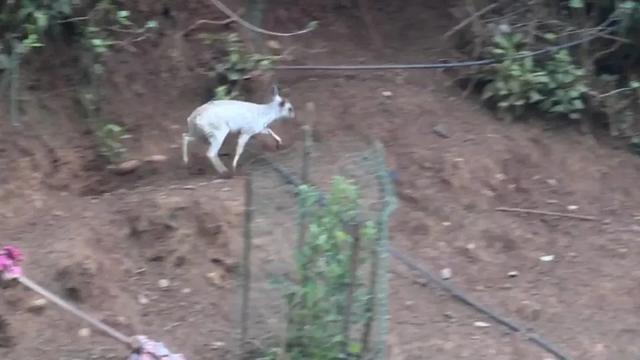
(549, 213)
(471, 18)
(204, 21)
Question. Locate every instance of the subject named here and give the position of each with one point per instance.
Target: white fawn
(214, 120)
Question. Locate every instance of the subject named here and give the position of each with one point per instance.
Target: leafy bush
(556, 86)
(26, 25)
(25, 22)
(516, 82)
(564, 86)
(223, 92)
(323, 291)
(109, 137)
(238, 65)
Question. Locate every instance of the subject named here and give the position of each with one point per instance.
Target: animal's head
(285, 109)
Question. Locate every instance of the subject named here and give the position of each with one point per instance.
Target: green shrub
(564, 86)
(324, 268)
(516, 82)
(556, 86)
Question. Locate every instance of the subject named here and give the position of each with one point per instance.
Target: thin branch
(222, 7)
(616, 91)
(128, 31)
(80, 18)
(127, 43)
(365, 10)
(550, 213)
(605, 52)
(466, 21)
(203, 21)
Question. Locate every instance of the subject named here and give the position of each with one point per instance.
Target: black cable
(546, 50)
(429, 276)
(458, 294)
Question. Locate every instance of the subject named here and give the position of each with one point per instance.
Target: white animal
(214, 120)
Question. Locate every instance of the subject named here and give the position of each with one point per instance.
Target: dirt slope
(108, 252)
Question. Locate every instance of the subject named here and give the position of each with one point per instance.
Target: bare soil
(104, 241)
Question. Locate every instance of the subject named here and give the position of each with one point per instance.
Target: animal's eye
(282, 102)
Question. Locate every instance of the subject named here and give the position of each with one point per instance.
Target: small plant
(110, 136)
(516, 82)
(239, 64)
(564, 86)
(329, 296)
(224, 92)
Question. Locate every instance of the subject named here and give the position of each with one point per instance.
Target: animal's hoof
(278, 145)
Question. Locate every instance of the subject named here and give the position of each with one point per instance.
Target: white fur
(216, 119)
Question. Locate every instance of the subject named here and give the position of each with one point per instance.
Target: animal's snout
(292, 113)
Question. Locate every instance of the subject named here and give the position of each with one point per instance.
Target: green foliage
(110, 136)
(564, 86)
(240, 64)
(225, 92)
(628, 11)
(237, 65)
(317, 298)
(107, 19)
(517, 82)
(25, 25)
(619, 104)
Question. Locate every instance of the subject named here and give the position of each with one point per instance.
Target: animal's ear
(275, 91)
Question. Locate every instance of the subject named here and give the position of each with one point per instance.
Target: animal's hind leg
(186, 139)
(215, 140)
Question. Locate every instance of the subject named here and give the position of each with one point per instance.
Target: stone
(445, 274)
(37, 306)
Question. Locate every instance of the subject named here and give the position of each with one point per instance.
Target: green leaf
(578, 104)
(504, 104)
(520, 102)
(576, 4)
(312, 25)
(534, 96)
(502, 41)
(41, 19)
(628, 5)
(151, 24)
(355, 347)
(233, 75)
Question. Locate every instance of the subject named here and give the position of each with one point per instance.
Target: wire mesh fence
(315, 272)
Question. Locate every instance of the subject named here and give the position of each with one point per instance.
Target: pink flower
(10, 259)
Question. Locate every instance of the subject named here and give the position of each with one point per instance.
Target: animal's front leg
(186, 139)
(216, 138)
(268, 131)
(242, 141)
